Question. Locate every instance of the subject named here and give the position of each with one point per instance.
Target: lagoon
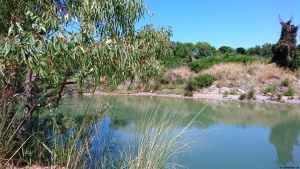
(225, 135)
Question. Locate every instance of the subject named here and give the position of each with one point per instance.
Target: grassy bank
(64, 138)
(258, 77)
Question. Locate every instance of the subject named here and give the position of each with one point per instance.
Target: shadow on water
(280, 123)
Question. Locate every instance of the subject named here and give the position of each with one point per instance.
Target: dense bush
(264, 51)
(241, 50)
(204, 80)
(199, 65)
(204, 63)
(171, 61)
(183, 50)
(242, 96)
(226, 49)
(285, 50)
(190, 88)
(204, 49)
(295, 63)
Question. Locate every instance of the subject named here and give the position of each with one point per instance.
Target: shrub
(276, 97)
(178, 81)
(295, 63)
(225, 94)
(254, 51)
(251, 94)
(190, 88)
(241, 50)
(204, 80)
(188, 94)
(183, 50)
(269, 90)
(204, 49)
(232, 92)
(195, 66)
(242, 96)
(190, 85)
(164, 81)
(285, 83)
(226, 49)
(289, 92)
(279, 97)
(171, 61)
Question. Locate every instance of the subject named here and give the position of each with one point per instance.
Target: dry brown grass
(181, 72)
(255, 75)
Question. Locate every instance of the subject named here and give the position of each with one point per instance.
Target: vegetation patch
(242, 96)
(190, 88)
(289, 92)
(269, 90)
(204, 63)
(285, 83)
(225, 94)
(205, 80)
(285, 50)
(249, 96)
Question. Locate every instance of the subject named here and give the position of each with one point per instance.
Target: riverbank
(206, 97)
(267, 83)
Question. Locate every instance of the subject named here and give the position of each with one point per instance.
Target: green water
(225, 136)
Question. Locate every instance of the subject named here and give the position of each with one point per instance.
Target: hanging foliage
(44, 44)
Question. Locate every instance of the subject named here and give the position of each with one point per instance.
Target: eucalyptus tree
(45, 43)
(204, 49)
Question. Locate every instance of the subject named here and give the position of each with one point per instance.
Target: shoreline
(261, 99)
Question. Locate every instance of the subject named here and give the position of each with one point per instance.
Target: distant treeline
(187, 52)
(204, 49)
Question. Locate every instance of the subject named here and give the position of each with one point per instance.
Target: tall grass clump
(190, 88)
(57, 139)
(10, 147)
(159, 140)
(269, 90)
(289, 92)
(66, 138)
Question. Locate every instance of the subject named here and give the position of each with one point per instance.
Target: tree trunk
(30, 101)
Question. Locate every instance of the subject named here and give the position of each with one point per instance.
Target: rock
(241, 91)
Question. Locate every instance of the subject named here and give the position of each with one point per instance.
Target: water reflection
(280, 122)
(284, 136)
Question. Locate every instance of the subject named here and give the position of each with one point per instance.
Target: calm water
(224, 136)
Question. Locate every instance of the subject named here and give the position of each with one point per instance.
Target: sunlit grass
(66, 141)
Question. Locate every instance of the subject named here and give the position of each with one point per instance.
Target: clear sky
(236, 23)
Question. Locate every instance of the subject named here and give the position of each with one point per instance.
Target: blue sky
(236, 23)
